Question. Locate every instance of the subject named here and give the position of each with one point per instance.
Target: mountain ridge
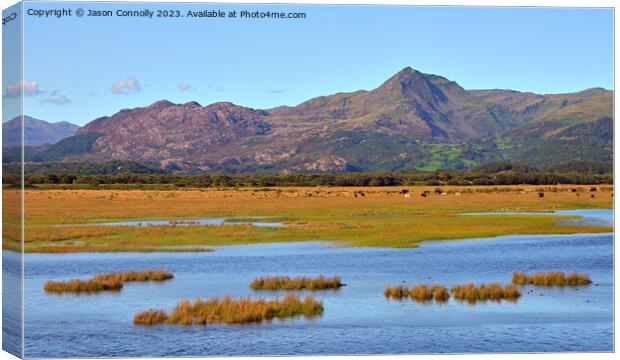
(36, 131)
(411, 120)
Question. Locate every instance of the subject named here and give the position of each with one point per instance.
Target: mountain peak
(408, 70)
(161, 103)
(36, 131)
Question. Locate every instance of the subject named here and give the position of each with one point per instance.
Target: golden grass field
(371, 216)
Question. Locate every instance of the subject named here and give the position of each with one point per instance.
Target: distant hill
(411, 121)
(36, 132)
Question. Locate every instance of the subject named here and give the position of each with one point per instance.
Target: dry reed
(231, 311)
(494, 292)
(553, 278)
(397, 292)
(106, 282)
(148, 275)
(298, 283)
(419, 293)
(78, 285)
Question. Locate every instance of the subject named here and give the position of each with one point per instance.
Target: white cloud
(128, 86)
(30, 88)
(55, 97)
(183, 87)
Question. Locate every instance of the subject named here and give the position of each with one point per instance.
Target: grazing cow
(541, 194)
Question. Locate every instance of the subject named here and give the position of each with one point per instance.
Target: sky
(79, 68)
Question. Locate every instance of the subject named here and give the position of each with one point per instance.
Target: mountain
(36, 132)
(412, 120)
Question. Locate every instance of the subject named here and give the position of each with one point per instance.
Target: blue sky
(79, 69)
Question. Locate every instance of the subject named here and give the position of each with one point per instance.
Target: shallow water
(587, 217)
(357, 319)
(189, 222)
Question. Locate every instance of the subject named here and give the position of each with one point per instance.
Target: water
(357, 319)
(189, 222)
(587, 217)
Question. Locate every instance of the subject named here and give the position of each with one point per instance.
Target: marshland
(382, 217)
(367, 241)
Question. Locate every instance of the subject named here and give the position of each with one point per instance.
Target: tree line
(507, 177)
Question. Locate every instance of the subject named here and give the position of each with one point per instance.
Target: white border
(489, 3)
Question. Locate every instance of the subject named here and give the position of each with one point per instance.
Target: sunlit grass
(425, 293)
(77, 285)
(419, 293)
(148, 275)
(396, 292)
(381, 218)
(553, 278)
(231, 311)
(485, 292)
(297, 283)
(106, 281)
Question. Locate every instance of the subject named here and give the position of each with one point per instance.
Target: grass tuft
(77, 285)
(150, 317)
(426, 293)
(553, 278)
(419, 293)
(298, 283)
(232, 311)
(396, 292)
(106, 282)
(149, 275)
(485, 292)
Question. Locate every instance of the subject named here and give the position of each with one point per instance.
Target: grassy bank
(381, 217)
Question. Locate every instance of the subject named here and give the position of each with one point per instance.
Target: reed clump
(231, 311)
(148, 275)
(150, 317)
(426, 293)
(78, 285)
(396, 292)
(553, 278)
(419, 293)
(298, 283)
(485, 292)
(106, 281)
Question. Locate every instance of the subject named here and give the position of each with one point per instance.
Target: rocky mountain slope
(412, 120)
